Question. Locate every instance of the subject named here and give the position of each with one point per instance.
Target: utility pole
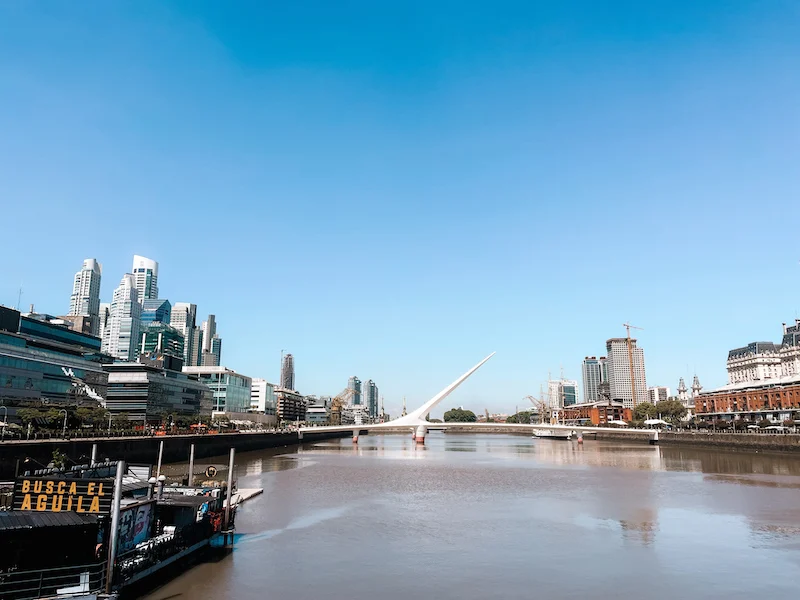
(628, 327)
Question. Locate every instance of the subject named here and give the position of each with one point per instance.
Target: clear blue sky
(394, 190)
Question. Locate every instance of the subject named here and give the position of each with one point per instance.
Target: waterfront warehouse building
(231, 391)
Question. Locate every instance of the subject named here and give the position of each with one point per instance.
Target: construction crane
(539, 404)
(337, 403)
(628, 327)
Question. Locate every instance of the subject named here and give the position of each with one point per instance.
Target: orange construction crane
(337, 403)
(628, 326)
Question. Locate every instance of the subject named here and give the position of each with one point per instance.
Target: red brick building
(597, 413)
(777, 400)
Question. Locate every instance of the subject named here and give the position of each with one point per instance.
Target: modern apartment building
(354, 383)
(262, 397)
(370, 397)
(121, 337)
(85, 298)
(657, 393)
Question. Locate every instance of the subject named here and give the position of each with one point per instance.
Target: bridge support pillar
(654, 439)
(580, 437)
(420, 434)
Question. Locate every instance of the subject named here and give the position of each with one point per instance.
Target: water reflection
(475, 517)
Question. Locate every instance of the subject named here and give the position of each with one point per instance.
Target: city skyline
(461, 148)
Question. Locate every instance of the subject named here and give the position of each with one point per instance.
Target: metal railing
(160, 548)
(44, 583)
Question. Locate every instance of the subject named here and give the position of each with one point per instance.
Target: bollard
(114, 534)
(191, 465)
(160, 455)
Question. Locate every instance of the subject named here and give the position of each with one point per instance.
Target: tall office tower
(287, 372)
(85, 298)
(370, 392)
(145, 272)
(216, 350)
(195, 358)
(209, 331)
(122, 341)
(619, 372)
(156, 310)
(184, 319)
(354, 383)
(105, 311)
(592, 378)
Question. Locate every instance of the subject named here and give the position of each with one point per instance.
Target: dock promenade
(144, 449)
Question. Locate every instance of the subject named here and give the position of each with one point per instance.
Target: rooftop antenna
(19, 297)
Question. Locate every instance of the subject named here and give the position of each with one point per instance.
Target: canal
(502, 516)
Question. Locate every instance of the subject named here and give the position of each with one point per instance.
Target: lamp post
(64, 428)
(5, 422)
(109, 423)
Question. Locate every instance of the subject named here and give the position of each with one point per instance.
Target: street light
(64, 428)
(109, 423)
(5, 422)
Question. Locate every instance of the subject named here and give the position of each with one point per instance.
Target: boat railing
(46, 583)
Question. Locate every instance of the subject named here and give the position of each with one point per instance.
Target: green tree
(643, 411)
(28, 415)
(671, 411)
(121, 421)
(521, 417)
(459, 415)
(59, 459)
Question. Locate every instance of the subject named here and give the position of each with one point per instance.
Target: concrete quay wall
(144, 449)
(721, 441)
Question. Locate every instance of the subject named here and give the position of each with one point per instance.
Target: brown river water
(500, 516)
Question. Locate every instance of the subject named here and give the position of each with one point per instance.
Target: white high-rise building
(85, 298)
(145, 273)
(562, 392)
(618, 363)
(657, 393)
(184, 319)
(262, 397)
(121, 339)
